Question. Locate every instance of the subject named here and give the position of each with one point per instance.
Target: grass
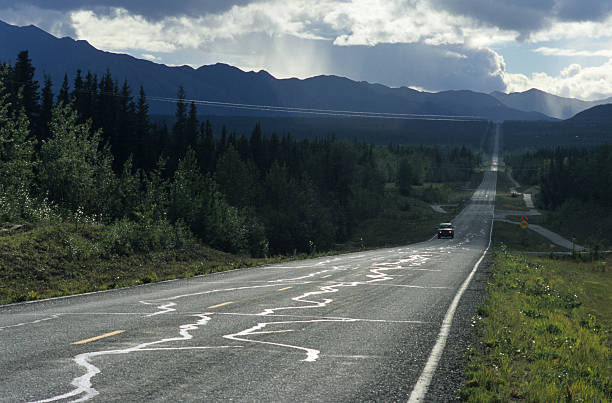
(514, 238)
(504, 199)
(544, 332)
(57, 260)
(508, 202)
(398, 229)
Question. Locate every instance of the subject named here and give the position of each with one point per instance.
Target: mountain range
(548, 104)
(223, 83)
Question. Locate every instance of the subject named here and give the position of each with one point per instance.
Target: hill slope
(601, 114)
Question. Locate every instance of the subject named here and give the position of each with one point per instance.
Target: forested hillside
(93, 155)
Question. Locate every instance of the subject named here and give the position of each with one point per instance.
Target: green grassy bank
(543, 332)
(514, 238)
(62, 259)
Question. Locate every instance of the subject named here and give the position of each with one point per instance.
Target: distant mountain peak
(536, 91)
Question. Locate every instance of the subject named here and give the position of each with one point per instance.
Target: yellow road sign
(524, 224)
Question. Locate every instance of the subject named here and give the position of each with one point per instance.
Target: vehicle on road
(446, 230)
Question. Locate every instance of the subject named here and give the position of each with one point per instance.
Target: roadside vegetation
(58, 259)
(514, 238)
(94, 195)
(544, 332)
(505, 199)
(572, 189)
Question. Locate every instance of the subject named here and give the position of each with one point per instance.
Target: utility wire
(296, 110)
(326, 112)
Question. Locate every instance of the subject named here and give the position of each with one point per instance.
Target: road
(366, 326)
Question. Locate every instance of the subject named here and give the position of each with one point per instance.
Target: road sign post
(524, 224)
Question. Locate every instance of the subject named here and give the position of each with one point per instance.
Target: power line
(325, 112)
(297, 110)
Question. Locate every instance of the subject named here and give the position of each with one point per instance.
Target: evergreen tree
(125, 138)
(90, 108)
(236, 179)
(23, 75)
(191, 127)
(46, 108)
(279, 210)
(256, 147)
(79, 95)
(64, 93)
(107, 110)
(180, 126)
(146, 156)
(207, 149)
(190, 196)
(405, 177)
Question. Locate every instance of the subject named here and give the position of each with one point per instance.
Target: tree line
(582, 174)
(92, 152)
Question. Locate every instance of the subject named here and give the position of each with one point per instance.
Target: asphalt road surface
(369, 326)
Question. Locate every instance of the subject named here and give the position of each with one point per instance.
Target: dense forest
(92, 153)
(567, 173)
(531, 136)
(377, 131)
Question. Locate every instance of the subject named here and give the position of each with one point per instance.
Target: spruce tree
(46, 109)
(146, 156)
(64, 93)
(191, 128)
(79, 95)
(125, 137)
(179, 128)
(23, 75)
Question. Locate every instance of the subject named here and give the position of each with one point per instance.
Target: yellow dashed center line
(284, 289)
(219, 305)
(329, 275)
(102, 336)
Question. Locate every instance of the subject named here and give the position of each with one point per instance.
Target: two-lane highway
(353, 327)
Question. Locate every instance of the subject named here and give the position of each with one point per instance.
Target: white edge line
(420, 388)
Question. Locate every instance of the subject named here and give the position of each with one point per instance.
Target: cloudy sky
(559, 46)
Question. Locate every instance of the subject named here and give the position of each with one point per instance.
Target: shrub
(125, 237)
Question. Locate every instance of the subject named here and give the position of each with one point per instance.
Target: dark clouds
(524, 16)
(151, 9)
(583, 10)
(527, 16)
(434, 68)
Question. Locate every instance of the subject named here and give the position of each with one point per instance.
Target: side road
(501, 215)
